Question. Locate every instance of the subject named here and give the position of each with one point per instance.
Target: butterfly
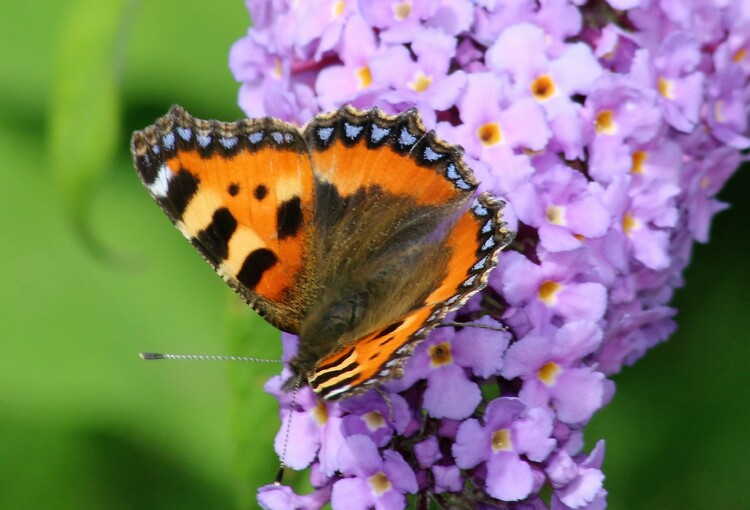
(358, 232)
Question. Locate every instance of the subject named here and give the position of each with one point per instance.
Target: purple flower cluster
(609, 128)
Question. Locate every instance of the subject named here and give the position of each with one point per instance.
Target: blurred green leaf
(71, 330)
(85, 112)
(178, 53)
(118, 466)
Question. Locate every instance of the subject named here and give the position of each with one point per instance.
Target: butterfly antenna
(280, 474)
(205, 357)
(447, 324)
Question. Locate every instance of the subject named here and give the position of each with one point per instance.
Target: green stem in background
(84, 119)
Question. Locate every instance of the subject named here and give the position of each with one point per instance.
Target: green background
(91, 273)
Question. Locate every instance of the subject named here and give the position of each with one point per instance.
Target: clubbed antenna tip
(151, 355)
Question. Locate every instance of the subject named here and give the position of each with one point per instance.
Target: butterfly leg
(388, 402)
(446, 324)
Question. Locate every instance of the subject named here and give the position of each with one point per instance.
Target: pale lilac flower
(443, 359)
(351, 81)
(422, 79)
(643, 218)
(399, 21)
(510, 430)
(373, 416)
(281, 497)
(614, 47)
(578, 484)
(561, 19)
(319, 25)
(734, 51)
(727, 99)
(453, 17)
(524, 53)
(447, 479)
(371, 480)
(633, 330)
(673, 73)
(550, 290)
(706, 180)
(552, 76)
(491, 120)
(560, 204)
(310, 430)
(428, 452)
(619, 112)
(609, 127)
(492, 129)
(552, 373)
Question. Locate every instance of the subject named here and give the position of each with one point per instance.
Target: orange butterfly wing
(241, 193)
(356, 149)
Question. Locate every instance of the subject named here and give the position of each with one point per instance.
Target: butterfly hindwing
(241, 193)
(474, 243)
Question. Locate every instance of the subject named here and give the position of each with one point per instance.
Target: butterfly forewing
(356, 149)
(242, 194)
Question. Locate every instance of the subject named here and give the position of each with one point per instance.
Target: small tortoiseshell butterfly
(358, 232)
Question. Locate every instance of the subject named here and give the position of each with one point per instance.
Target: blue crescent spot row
(406, 140)
(179, 130)
(204, 139)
